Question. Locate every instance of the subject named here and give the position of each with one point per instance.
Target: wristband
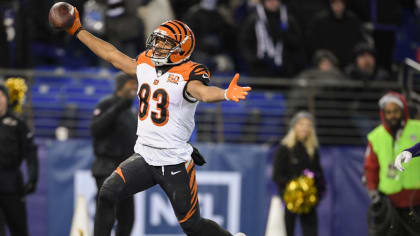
(78, 31)
(225, 94)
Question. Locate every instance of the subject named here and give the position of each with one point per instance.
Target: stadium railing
(345, 110)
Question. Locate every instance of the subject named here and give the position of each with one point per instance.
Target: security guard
(397, 193)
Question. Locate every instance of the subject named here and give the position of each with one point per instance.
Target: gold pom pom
(17, 89)
(300, 195)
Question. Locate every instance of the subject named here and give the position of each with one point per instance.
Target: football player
(170, 86)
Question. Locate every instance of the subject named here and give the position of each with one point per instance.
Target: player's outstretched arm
(102, 48)
(108, 52)
(215, 94)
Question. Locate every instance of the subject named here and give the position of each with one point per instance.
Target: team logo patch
(173, 78)
(156, 82)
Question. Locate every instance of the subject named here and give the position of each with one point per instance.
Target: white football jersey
(166, 112)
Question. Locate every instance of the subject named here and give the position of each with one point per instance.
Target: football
(61, 16)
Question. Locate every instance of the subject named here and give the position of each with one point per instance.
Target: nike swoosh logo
(174, 173)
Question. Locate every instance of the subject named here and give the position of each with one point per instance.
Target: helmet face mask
(159, 47)
(170, 44)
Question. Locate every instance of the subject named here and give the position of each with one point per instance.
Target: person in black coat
(16, 145)
(385, 17)
(324, 69)
(298, 153)
(113, 129)
(216, 34)
(336, 29)
(364, 67)
(271, 41)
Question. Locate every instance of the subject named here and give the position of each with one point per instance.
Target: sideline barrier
(231, 189)
(235, 190)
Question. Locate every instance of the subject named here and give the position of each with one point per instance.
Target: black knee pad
(111, 189)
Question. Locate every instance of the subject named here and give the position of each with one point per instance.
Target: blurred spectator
(113, 129)
(408, 35)
(23, 34)
(4, 44)
(240, 12)
(378, 12)
(301, 9)
(325, 66)
(151, 20)
(216, 36)
(52, 47)
(336, 29)
(385, 184)
(304, 96)
(364, 66)
(271, 41)
(181, 7)
(366, 70)
(119, 15)
(16, 145)
(15, 31)
(243, 9)
(383, 18)
(297, 154)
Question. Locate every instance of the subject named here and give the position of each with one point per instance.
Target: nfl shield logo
(413, 137)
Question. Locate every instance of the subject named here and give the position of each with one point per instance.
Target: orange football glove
(77, 26)
(235, 92)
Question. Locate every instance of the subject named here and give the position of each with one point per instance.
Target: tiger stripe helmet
(171, 43)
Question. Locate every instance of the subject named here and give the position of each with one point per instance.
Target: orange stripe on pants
(119, 172)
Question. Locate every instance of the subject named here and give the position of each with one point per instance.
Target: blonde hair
(311, 142)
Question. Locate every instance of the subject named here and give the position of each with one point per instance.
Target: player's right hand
(405, 157)
(235, 92)
(76, 23)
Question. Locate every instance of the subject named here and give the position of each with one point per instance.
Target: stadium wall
(235, 189)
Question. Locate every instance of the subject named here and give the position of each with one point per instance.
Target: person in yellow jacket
(396, 133)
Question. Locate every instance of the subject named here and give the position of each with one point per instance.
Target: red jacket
(371, 166)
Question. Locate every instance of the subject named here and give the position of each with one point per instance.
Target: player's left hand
(235, 92)
(405, 157)
(76, 23)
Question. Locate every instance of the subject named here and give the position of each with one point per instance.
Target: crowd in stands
(360, 39)
(298, 40)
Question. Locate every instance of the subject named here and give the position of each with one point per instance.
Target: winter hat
(363, 47)
(324, 54)
(390, 97)
(300, 115)
(396, 98)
